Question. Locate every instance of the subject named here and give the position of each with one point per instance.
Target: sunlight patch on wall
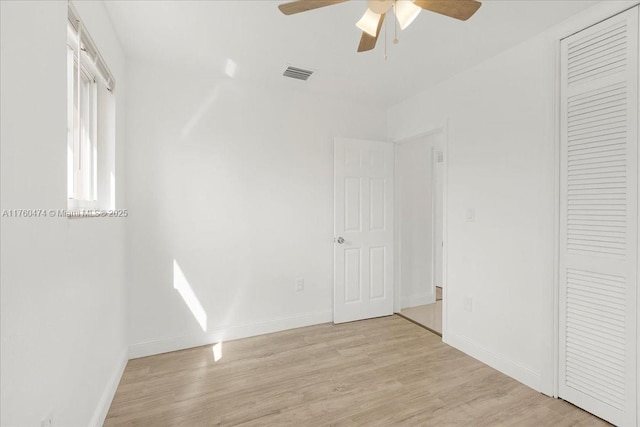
(230, 67)
(181, 284)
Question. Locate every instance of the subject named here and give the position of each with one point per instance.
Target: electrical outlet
(468, 304)
(299, 284)
(47, 421)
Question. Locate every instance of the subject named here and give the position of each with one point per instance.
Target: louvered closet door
(599, 218)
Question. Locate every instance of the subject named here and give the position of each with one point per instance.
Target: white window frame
(90, 121)
(82, 137)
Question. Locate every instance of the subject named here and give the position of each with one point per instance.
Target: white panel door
(599, 218)
(363, 218)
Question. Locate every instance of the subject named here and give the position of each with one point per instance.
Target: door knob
(340, 240)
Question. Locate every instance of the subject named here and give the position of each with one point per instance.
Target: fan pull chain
(395, 25)
(385, 39)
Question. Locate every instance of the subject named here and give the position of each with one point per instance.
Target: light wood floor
(379, 372)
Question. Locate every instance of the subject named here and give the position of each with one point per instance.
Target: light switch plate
(471, 215)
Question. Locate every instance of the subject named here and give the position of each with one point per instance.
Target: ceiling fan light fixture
(406, 11)
(369, 23)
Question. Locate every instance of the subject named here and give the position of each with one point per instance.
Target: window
(90, 123)
(82, 126)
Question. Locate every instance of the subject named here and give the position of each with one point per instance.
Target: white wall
(63, 296)
(234, 184)
(501, 163)
(414, 176)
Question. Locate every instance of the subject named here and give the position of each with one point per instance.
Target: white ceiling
(261, 41)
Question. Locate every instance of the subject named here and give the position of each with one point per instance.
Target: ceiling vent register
(297, 73)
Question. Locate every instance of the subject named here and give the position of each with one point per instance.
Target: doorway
(419, 205)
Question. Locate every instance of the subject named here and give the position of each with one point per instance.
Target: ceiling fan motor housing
(379, 6)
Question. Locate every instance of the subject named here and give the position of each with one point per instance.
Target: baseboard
(414, 300)
(515, 370)
(231, 332)
(102, 409)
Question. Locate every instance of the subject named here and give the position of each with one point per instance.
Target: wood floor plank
(378, 372)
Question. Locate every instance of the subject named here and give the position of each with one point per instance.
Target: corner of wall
(102, 408)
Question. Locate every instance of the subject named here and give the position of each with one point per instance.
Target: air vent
(297, 73)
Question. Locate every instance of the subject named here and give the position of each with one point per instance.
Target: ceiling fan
(405, 10)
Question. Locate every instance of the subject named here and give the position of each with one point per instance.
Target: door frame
(397, 288)
(550, 367)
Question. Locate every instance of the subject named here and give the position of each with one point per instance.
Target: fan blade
(459, 9)
(368, 42)
(304, 5)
